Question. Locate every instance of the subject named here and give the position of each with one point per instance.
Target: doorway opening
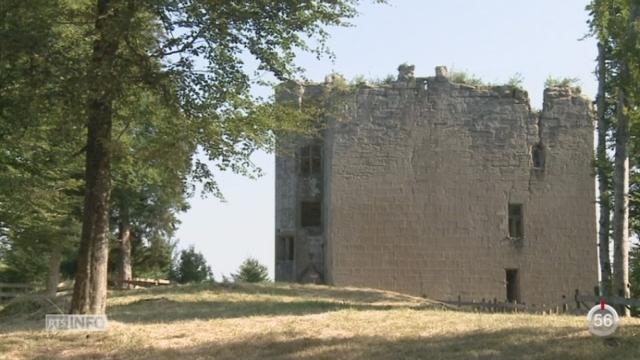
(513, 285)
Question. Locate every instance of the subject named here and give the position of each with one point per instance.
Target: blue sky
(493, 39)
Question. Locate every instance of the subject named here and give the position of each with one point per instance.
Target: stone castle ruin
(434, 188)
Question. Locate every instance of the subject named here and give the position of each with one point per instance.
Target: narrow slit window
(287, 248)
(310, 214)
(310, 160)
(537, 156)
(516, 228)
(290, 249)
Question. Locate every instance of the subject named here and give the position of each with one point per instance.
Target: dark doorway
(513, 285)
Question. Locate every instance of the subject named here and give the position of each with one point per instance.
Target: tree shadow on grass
(517, 343)
(153, 307)
(161, 310)
(279, 289)
(324, 291)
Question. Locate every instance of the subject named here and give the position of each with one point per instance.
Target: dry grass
(308, 322)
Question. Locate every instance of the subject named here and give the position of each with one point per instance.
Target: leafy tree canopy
(191, 266)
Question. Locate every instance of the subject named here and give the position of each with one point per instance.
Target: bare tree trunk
(621, 205)
(53, 276)
(602, 168)
(90, 289)
(124, 266)
(621, 176)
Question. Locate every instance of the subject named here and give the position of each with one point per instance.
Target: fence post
(622, 307)
(575, 297)
(459, 301)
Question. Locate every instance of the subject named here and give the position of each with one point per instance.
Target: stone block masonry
(434, 188)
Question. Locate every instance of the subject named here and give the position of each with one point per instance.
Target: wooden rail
(16, 286)
(486, 305)
(582, 302)
(11, 290)
(611, 300)
(493, 305)
(147, 282)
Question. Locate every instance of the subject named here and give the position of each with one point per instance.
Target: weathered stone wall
(418, 177)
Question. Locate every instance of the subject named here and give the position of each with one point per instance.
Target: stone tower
(435, 188)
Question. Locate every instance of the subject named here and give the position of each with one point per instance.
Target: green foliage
(170, 81)
(203, 68)
(151, 164)
(610, 24)
(25, 264)
(464, 77)
(516, 81)
(615, 24)
(634, 176)
(251, 271)
(634, 271)
(41, 132)
(387, 80)
(359, 81)
(191, 266)
(634, 203)
(152, 257)
(566, 82)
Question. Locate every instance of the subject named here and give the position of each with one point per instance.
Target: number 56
(600, 320)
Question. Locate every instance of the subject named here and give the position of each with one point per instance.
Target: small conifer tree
(252, 271)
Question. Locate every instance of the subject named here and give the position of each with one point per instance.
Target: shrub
(191, 266)
(358, 81)
(516, 81)
(463, 77)
(251, 271)
(561, 82)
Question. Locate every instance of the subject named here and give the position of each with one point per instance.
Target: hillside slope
(278, 321)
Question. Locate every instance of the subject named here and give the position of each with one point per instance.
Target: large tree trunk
(602, 168)
(124, 266)
(53, 276)
(90, 289)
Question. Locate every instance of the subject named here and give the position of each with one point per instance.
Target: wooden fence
(581, 304)
(147, 282)
(12, 290)
(9, 290)
(610, 300)
(488, 305)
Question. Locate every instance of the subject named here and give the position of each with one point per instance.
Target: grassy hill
(278, 321)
